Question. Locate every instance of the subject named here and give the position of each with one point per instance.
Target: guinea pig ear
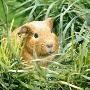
(49, 22)
(24, 31)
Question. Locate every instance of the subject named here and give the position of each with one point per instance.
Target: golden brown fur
(38, 40)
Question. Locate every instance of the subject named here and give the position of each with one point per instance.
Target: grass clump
(71, 68)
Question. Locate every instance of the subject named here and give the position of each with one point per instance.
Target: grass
(70, 70)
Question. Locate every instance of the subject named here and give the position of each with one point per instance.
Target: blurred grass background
(71, 68)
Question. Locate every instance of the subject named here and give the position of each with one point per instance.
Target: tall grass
(70, 70)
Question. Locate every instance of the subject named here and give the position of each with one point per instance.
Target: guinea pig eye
(36, 35)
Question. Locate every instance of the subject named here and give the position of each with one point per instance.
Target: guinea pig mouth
(50, 52)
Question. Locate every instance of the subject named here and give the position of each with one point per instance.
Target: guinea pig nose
(49, 45)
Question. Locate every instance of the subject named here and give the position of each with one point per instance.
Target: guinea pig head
(39, 37)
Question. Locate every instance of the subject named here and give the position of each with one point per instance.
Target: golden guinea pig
(39, 42)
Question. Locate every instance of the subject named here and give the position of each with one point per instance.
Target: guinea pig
(38, 41)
